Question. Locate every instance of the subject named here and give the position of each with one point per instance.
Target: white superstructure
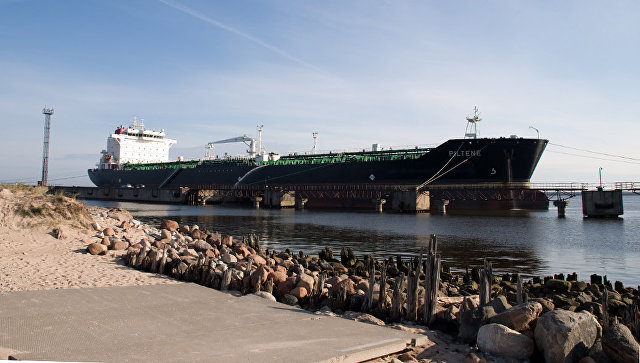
(135, 145)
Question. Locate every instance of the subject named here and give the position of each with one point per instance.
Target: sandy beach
(32, 258)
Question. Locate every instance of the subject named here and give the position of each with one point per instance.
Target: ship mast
(472, 125)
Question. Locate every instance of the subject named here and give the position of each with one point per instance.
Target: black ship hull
(456, 162)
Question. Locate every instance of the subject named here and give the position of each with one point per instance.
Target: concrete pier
(300, 202)
(602, 204)
(439, 206)
(410, 201)
(256, 202)
(562, 207)
(378, 203)
(279, 198)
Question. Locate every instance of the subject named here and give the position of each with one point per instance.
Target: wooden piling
(367, 304)
(486, 280)
(519, 299)
(398, 298)
(226, 280)
(382, 297)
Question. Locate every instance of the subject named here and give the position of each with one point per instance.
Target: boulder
(369, 319)
(305, 281)
(119, 245)
(200, 245)
(190, 252)
(347, 283)
(125, 225)
(619, 344)
(566, 336)
(289, 299)
(277, 276)
(165, 234)
(96, 226)
(299, 292)
(259, 276)
(499, 304)
(547, 305)
(558, 285)
(108, 232)
(229, 258)
(285, 286)
(258, 260)
(96, 248)
(169, 224)
(519, 316)
(265, 295)
(500, 340)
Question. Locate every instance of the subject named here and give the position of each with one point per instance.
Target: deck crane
(249, 141)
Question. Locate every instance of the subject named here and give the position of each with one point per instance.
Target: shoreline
(54, 255)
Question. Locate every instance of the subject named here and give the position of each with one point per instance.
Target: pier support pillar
(256, 202)
(439, 206)
(562, 207)
(378, 204)
(300, 202)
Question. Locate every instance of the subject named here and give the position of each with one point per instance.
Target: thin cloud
(222, 26)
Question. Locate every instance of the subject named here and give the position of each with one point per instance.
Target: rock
(227, 241)
(473, 358)
(190, 252)
(565, 336)
(165, 234)
(500, 340)
(258, 260)
(96, 226)
(587, 360)
(277, 276)
(369, 319)
(108, 232)
(259, 276)
(619, 344)
(229, 258)
(265, 295)
(519, 316)
(407, 357)
(499, 304)
(96, 248)
(125, 225)
(558, 285)
(59, 233)
(5, 193)
(305, 281)
(547, 305)
(200, 245)
(169, 224)
(289, 299)
(579, 286)
(119, 245)
(348, 283)
(298, 292)
(211, 253)
(286, 286)
(106, 241)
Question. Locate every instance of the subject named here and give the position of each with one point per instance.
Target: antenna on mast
(472, 125)
(315, 143)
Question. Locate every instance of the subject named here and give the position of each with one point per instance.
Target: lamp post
(538, 132)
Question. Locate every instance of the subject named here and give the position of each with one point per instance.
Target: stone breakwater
(552, 318)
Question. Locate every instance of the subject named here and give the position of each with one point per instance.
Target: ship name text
(465, 153)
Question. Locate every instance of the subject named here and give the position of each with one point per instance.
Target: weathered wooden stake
(226, 280)
(398, 298)
(367, 304)
(486, 280)
(163, 261)
(382, 297)
(605, 309)
(519, 299)
(268, 286)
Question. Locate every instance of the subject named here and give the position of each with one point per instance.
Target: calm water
(535, 243)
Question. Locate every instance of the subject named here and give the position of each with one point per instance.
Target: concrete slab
(183, 322)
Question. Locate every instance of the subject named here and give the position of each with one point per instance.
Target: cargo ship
(137, 157)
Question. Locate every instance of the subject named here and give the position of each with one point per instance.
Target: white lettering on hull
(465, 153)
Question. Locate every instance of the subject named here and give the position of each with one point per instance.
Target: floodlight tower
(315, 143)
(47, 112)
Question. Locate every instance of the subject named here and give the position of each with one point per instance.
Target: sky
(358, 72)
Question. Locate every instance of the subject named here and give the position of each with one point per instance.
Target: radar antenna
(472, 125)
